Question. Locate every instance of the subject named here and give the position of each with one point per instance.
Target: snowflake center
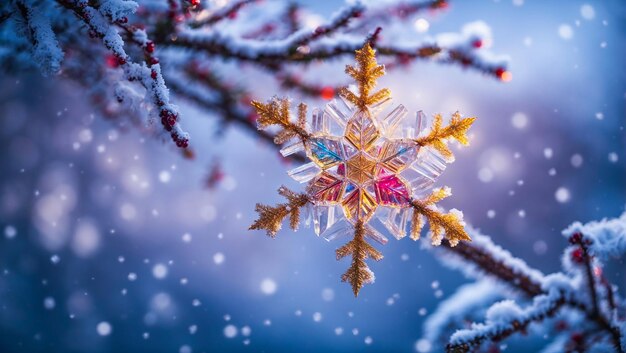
(361, 169)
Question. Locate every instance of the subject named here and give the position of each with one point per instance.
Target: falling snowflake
(361, 166)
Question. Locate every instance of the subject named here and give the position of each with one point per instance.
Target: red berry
(477, 43)
(150, 47)
(171, 121)
(493, 349)
(577, 337)
(503, 75)
(561, 325)
(578, 255)
(153, 74)
(123, 20)
(327, 93)
(111, 61)
(575, 238)
(121, 60)
(154, 61)
(597, 271)
(441, 4)
(232, 15)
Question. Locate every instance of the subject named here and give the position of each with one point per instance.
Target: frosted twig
(550, 294)
(228, 11)
(46, 52)
(149, 76)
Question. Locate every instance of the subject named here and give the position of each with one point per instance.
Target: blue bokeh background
(83, 206)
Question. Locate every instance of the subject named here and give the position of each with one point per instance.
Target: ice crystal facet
(364, 164)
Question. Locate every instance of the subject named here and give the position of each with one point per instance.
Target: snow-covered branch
(504, 319)
(580, 290)
(109, 37)
(148, 74)
(45, 48)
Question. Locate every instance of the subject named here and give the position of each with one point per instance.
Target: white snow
(230, 331)
(218, 258)
(562, 195)
(608, 236)
(104, 328)
(566, 32)
(46, 52)
(467, 299)
(159, 271)
(116, 9)
(519, 120)
(268, 286)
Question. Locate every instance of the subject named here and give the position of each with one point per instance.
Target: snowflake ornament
(361, 166)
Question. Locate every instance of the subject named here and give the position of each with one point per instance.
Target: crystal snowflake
(362, 165)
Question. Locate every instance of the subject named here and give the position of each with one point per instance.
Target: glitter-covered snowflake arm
(365, 74)
(451, 224)
(358, 274)
(276, 112)
(439, 135)
(271, 217)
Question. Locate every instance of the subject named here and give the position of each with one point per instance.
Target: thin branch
(485, 261)
(4, 16)
(499, 331)
(149, 76)
(489, 265)
(591, 282)
(227, 113)
(229, 11)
